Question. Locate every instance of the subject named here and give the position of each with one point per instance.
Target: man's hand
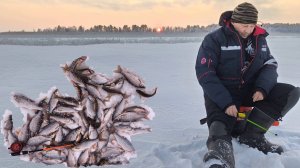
(232, 111)
(257, 96)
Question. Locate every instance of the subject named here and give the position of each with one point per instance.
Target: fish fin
(119, 69)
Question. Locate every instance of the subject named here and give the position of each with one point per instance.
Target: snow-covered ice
(177, 139)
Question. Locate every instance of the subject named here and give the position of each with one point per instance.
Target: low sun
(158, 29)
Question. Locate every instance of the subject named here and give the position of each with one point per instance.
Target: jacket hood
(225, 22)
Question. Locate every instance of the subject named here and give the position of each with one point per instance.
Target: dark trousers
(272, 105)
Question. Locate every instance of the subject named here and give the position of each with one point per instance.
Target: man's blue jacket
(220, 61)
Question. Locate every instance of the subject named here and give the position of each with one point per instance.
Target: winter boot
(254, 136)
(220, 151)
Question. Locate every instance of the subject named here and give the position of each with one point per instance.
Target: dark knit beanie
(245, 13)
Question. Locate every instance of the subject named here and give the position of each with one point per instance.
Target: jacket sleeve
(206, 63)
(267, 77)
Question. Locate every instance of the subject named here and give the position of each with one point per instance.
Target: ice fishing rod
(243, 116)
(17, 147)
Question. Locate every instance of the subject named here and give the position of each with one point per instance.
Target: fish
(40, 157)
(73, 135)
(131, 77)
(84, 157)
(62, 120)
(120, 107)
(78, 63)
(109, 152)
(59, 136)
(36, 122)
(62, 109)
(10, 138)
(91, 107)
(124, 142)
(71, 160)
(130, 117)
(127, 129)
(49, 129)
(7, 122)
(98, 79)
(53, 103)
(75, 65)
(93, 91)
(89, 144)
(93, 134)
(146, 93)
(24, 132)
(107, 117)
(73, 78)
(71, 101)
(115, 87)
(23, 101)
(37, 140)
(85, 72)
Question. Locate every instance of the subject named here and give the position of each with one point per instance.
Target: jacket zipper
(241, 77)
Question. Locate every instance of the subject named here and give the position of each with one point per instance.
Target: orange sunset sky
(32, 14)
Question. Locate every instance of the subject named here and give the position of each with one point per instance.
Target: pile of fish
(93, 128)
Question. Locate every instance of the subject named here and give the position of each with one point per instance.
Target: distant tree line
(278, 27)
(127, 28)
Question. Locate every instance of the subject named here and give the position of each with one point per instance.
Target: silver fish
(36, 122)
(137, 109)
(73, 135)
(62, 109)
(115, 87)
(23, 101)
(10, 138)
(93, 134)
(84, 158)
(104, 134)
(54, 154)
(71, 160)
(90, 144)
(68, 100)
(107, 117)
(52, 127)
(132, 131)
(78, 63)
(73, 78)
(131, 77)
(46, 160)
(7, 122)
(101, 144)
(59, 136)
(91, 107)
(37, 140)
(85, 72)
(120, 107)
(92, 160)
(62, 120)
(98, 79)
(81, 120)
(146, 93)
(24, 132)
(124, 142)
(53, 101)
(108, 152)
(46, 119)
(130, 117)
(93, 91)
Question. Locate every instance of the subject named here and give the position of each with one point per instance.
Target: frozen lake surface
(177, 139)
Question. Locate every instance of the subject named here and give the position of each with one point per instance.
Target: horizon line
(131, 25)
